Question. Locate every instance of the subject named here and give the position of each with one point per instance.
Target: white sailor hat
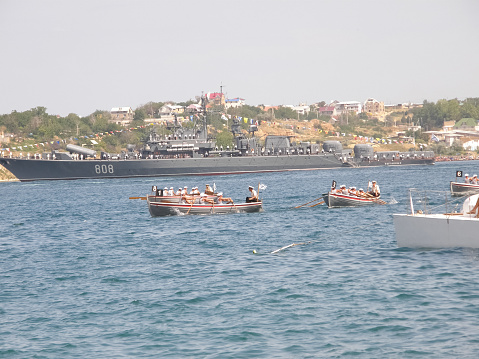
(220, 194)
(342, 186)
(466, 175)
(474, 176)
(353, 187)
(250, 187)
(373, 181)
(186, 187)
(172, 187)
(165, 188)
(361, 190)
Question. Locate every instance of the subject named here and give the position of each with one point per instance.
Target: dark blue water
(87, 273)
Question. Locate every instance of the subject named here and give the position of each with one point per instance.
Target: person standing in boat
(375, 192)
(253, 197)
(209, 190)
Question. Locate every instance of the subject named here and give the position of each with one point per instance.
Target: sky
(81, 56)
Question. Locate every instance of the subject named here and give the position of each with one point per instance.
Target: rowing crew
(373, 191)
(471, 180)
(184, 191)
(203, 198)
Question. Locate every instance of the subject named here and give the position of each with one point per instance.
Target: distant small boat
(463, 189)
(335, 200)
(443, 229)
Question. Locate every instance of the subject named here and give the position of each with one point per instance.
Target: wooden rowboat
(463, 189)
(159, 208)
(337, 200)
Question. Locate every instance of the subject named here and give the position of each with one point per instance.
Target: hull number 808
(103, 169)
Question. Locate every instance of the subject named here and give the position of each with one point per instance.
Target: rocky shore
(6, 175)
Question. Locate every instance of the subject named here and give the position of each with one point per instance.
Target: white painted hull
(160, 209)
(436, 230)
(334, 200)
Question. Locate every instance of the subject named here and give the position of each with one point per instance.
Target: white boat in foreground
(441, 223)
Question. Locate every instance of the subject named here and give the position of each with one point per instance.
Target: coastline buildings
(373, 106)
(122, 115)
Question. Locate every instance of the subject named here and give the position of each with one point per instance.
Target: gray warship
(189, 151)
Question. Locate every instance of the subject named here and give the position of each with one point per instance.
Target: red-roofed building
(217, 98)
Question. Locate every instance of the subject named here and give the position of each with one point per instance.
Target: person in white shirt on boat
(188, 198)
(361, 193)
(352, 191)
(466, 179)
(209, 190)
(222, 199)
(375, 192)
(171, 192)
(474, 179)
(205, 199)
(165, 192)
(178, 193)
(253, 197)
(343, 189)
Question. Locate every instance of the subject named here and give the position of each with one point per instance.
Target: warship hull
(40, 169)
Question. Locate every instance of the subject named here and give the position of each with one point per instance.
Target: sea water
(85, 272)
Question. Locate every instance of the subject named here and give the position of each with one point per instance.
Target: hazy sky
(79, 56)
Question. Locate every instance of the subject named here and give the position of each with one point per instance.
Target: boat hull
(43, 169)
(31, 170)
(436, 231)
(333, 200)
(161, 209)
(463, 189)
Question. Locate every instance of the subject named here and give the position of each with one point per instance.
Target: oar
(380, 201)
(314, 200)
(142, 198)
(190, 207)
(320, 202)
